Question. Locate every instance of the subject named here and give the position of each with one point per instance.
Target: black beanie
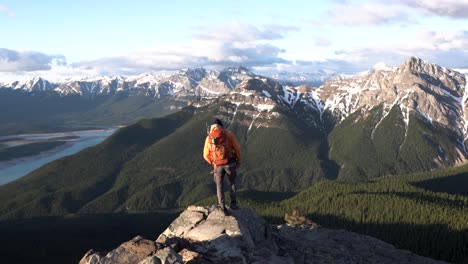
(218, 122)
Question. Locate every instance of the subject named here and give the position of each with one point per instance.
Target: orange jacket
(231, 144)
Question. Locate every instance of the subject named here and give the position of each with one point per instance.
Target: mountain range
(407, 119)
(186, 82)
(295, 140)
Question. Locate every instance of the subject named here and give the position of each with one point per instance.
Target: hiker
(222, 151)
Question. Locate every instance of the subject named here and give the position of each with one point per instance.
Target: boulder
(132, 251)
(206, 235)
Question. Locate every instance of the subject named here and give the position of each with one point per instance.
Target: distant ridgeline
(304, 148)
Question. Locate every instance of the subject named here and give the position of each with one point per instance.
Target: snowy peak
(186, 83)
(417, 88)
(433, 74)
(286, 96)
(196, 74)
(35, 84)
(217, 83)
(414, 86)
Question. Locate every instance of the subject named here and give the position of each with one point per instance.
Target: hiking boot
(234, 205)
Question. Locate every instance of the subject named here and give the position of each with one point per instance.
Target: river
(79, 140)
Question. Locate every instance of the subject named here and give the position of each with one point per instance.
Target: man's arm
(206, 151)
(235, 146)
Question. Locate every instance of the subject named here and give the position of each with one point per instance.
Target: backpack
(220, 153)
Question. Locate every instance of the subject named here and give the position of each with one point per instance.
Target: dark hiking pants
(219, 172)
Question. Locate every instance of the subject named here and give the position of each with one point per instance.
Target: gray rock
(206, 235)
(168, 256)
(132, 251)
(188, 255)
(150, 260)
(184, 223)
(338, 246)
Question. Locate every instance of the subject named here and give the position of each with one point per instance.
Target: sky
(60, 39)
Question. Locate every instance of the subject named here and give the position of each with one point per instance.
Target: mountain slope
(409, 118)
(36, 105)
(67, 184)
(172, 173)
(162, 167)
(291, 138)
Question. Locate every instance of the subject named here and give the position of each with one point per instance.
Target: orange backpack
(220, 153)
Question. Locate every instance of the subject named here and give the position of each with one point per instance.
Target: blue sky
(75, 38)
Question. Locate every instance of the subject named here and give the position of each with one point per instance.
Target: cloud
(381, 12)
(221, 46)
(323, 41)
(7, 11)
(241, 32)
(446, 8)
(14, 61)
(217, 55)
(344, 13)
(448, 49)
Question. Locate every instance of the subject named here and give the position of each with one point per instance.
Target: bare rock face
(436, 93)
(207, 235)
(132, 251)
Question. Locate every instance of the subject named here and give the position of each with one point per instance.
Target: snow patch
(246, 93)
(458, 99)
(210, 91)
(428, 118)
(253, 120)
(265, 107)
(463, 103)
(267, 94)
(291, 96)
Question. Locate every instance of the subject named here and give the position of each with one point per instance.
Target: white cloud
(446, 8)
(14, 61)
(241, 32)
(7, 11)
(353, 13)
(349, 14)
(221, 46)
(322, 41)
(446, 48)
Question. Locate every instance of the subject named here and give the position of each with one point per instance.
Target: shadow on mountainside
(456, 184)
(65, 239)
(329, 167)
(435, 241)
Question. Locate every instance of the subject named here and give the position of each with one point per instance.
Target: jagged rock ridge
(206, 235)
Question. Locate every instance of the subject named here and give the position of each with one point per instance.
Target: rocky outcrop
(207, 235)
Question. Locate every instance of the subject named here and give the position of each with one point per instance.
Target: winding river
(79, 140)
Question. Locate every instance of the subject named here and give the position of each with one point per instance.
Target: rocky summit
(207, 235)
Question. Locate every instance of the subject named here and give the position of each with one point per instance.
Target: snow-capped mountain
(197, 82)
(408, 118)
(35, 84)
(414, 115)
(435, 93)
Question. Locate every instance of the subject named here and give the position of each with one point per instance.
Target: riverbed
(75, 141)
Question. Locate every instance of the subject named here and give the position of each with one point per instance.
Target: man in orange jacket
(223, 152)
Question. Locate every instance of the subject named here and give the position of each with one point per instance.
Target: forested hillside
(426, 213)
